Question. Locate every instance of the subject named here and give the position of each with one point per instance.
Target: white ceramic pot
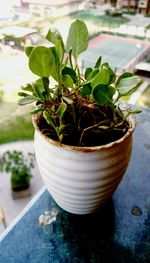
(81, 179)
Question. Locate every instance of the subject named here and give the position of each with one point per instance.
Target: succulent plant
(82, 107)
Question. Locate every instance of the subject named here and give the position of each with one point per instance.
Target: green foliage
(20, 166)
(148, 26)
(78, 38)
(12, 38)
(148, 60)
(76, 94)
(1, 95)
(55, 38)
(114, 12)
(147, 15)
(130, 12)
(40, 60)
(28, 50)
(103, 94)
(17, 124)
(127, 86)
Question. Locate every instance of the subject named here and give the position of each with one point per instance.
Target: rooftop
(51, 2)
(17, 31)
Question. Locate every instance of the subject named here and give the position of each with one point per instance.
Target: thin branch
(89, 128)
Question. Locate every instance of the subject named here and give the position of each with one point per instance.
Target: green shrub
(1, 95)
(147, 15)
(148, 60)
(130, 12)
(114, 12)
(148, 26)
(20, 166)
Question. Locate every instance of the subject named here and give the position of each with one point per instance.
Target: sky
(6, 6)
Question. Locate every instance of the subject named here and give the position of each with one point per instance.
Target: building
(105, 1)
(141, 6)
(20, 36)
(52, 8)
(144, 6)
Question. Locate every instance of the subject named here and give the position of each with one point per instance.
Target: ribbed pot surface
(81, 179)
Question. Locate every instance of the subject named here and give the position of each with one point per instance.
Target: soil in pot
(95, 126)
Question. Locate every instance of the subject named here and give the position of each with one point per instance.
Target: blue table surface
(118, 232)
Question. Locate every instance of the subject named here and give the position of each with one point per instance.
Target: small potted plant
(83, 136)
(20, 166)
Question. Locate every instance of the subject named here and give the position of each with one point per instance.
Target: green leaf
(98, 62)
(77, 38)
(103, 94)
(61, 128)
(67, 81)
(38, 88)
(87, 73)
(26, 100)
(93, 73)
(61, 137)
(103, 77)
(36, 111)
(103, 127)
(123, 76)
(55, 37)
(61, 110)
(55, 69)
(127, 86)
(23, 94)
(28, 87)
(66, 61)
(112, 74)
(70, 72)
(85, 90)
(41, 61)
(131, 112)
(46, 91)
(135, 111)
(28, 50)
(49, 119)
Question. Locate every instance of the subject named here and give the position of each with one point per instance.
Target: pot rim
(131, 121)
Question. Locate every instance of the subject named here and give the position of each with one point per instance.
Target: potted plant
(83, 135)
(20, 166)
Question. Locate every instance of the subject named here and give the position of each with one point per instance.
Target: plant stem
(114, 113)
(79, 76)
(89, 128)
(70, 59)
(118, 97)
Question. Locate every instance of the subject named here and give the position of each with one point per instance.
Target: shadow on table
(91, 238)
(97, 225)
